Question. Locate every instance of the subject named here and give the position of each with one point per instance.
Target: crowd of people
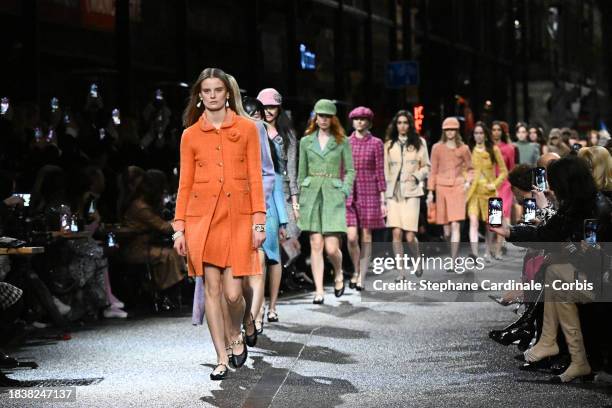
(251, 192)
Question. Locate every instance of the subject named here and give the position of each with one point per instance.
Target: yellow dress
(484, 175)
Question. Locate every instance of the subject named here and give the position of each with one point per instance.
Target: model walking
(281, 132)
(324, 150)
(486, 157)
(365, 206)
(450, 163)
(406, 166)
(220, 200)
(501, 139)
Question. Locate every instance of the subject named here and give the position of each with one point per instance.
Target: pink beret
(361, 112)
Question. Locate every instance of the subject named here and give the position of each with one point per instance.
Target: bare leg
(398, 249)
(354, 251)
(258, 283)
(447, 232)
(316, 262)
(489, 242)
(500, 239)
(107, 288)
(232, 290)
(413, 244)
(455, 238)
(214, 311)
(276, 272)
(474, 233)
(332, 249)
(366, 254)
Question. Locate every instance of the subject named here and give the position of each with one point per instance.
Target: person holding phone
(220, 213)
(324, 152)
(486, 159)
(571, 180)
(451, 163)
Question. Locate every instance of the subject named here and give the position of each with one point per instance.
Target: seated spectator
(81, 263)
(576, 192)
(142, 217)
(90, 187)
(128, 181)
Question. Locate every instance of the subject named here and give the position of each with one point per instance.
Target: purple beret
(361, 112)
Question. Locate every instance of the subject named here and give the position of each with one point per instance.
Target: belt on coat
(323, 175)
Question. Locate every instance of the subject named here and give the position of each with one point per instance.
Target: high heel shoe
(238, 360)
(528, 317)
(353, 285)
(359, 288)
(318, 300)
(504, 337)
(219, 375)
(261, 325)
(272, 316)
(251, 339)
(543, 364)
(339, 292)
(500, 300)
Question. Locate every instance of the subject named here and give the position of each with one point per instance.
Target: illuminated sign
(419, 114)
(307, 58)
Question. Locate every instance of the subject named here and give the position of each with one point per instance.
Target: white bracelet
(177, 234)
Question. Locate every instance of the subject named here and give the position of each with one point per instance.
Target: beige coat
(414, 169)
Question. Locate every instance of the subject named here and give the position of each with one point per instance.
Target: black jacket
(565, 226)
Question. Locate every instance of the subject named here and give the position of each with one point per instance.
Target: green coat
(322, 192)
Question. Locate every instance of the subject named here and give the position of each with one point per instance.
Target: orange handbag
(431, 212)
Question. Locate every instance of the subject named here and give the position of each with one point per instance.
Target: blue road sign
(402, 73)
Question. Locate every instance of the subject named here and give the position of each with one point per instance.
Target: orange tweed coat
(215, 162)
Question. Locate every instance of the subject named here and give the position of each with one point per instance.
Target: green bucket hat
(325, 107)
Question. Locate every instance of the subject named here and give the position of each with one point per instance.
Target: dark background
(498, 50)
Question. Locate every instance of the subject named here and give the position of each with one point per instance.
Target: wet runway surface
(345, 353)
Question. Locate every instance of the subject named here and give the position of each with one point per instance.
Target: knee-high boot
(570, 324)
(547, 344)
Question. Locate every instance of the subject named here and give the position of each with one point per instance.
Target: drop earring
(199, 104)
(227, 103)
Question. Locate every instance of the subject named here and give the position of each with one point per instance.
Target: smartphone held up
(539, 178)
(529, 210)
(495, 211)
(591, 226)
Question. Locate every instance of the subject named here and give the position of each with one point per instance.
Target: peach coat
(215, 162)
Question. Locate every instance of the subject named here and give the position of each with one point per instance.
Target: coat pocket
(339, 186)
(306, 182)
(198, 202)
(239, 167)
(244, 202)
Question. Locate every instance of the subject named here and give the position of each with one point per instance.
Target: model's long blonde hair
(600, 162)
(235, 89)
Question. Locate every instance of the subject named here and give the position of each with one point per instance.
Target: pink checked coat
(363, 205)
